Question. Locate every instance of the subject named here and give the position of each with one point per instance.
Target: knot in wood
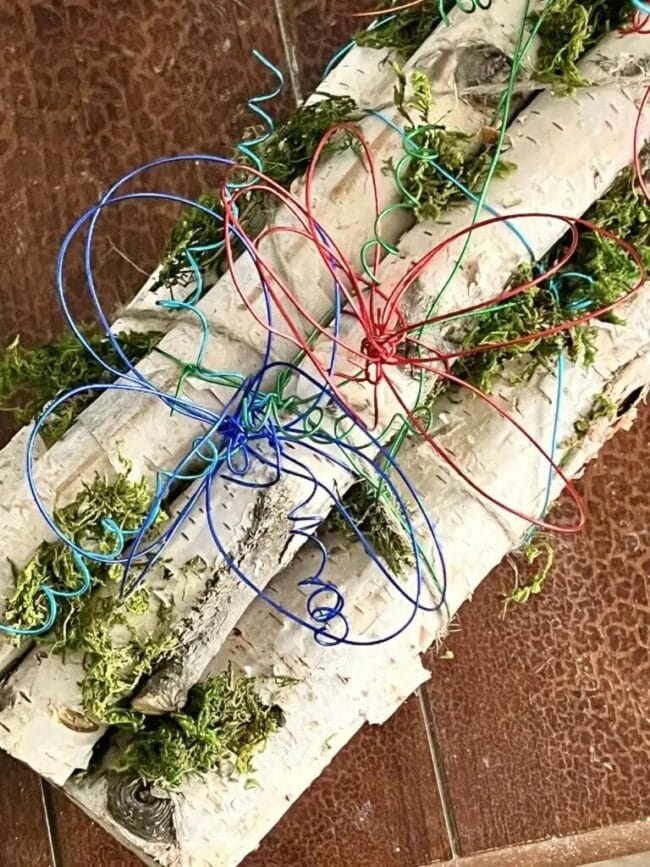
(481, 64)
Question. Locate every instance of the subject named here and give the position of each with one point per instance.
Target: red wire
(384, 327)
(640, 24)
(448, 458)
(421, 264)
(637, 148)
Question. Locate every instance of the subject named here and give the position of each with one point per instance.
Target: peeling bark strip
(218, 821)
(139, 427)
(29, 731)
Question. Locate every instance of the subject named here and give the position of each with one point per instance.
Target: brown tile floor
(317, 30)
(542, 716)
(536, 724)
(23, 832)
(376, 804)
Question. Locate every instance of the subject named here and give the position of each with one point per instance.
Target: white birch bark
(608, 114)
(139, 427)
(359, 75)
(569, 188)
(215, 822)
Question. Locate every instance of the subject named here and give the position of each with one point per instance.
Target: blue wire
(553, 288)
(246, 428)
(228, 425)
(322, 614)
(343, 52)
(255, 105)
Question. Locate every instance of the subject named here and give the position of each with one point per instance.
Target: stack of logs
(567, 150)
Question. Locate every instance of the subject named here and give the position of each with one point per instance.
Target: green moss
(531, 554)
(124, 501)
(224, 717)
(224, 720)
(602, 407)
(625, 212)
(32, 378)
(529, 312)
(569, 29)
(113, 666)
(432, 190)
(89, 624)
(407, 30)
(372, 516)
(423, 185)
(285, 156)
(196, 228)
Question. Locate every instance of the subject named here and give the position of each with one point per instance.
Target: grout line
(48, 822)
(289, 53)
(441, 778)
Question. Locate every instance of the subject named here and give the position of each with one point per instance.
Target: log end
(478, 65)
(165, 692)
(141, 809)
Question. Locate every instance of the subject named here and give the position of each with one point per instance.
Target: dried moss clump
(114, 666)
(224, 721)
(285, 156)
(407, 30)
(602, 407)
(569, 29)
(428, 189)
(529, 312)
(433, 191)
(89, 624)
(124, 501)
(195, 229)
(625, 212)
(372, 518)
(531, 554)
(32, 378)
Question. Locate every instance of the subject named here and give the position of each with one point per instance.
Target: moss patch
(122, 500)
(224, 717)
(224, 721)
(285, 156)
(407, 30)
(625, 212)
(32, 378)
(569, 29)
(602, 407)
(89, 624)
(372, 517)
(462, 156)
(454, 152)
(532, 553)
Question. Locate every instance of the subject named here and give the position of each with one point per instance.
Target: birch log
(122, 424)
(359, 75)
(140, 315)
(139, 427)
(28, 724)
(215, 822)
(493, 257)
